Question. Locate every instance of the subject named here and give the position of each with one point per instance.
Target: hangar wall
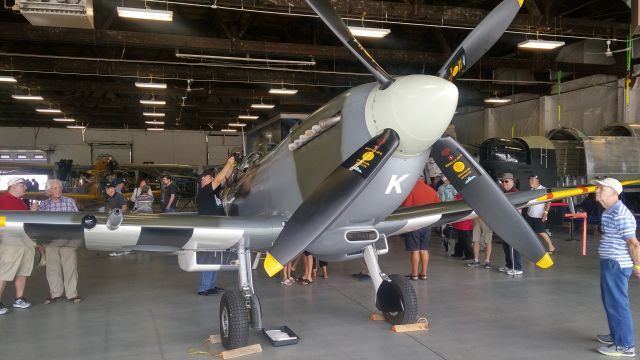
(587, 104)
(164, 147)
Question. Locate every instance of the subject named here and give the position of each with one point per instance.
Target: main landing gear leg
(395, 295)
(239, 308)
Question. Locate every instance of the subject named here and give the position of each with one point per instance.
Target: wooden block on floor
(376, 317)
(215, 339)
(410, 327)
(251, 349)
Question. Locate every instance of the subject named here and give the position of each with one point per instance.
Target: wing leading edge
(164, 233)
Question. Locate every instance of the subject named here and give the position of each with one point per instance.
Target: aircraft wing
(412, 218)
(150, 232)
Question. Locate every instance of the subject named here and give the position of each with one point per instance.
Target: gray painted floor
(142, 306)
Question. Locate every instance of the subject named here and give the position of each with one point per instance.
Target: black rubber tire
(409, 301)
(234, 320)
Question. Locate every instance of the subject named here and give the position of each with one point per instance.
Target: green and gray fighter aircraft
(332, 187)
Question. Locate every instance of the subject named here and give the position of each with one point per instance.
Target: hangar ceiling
(90, 73)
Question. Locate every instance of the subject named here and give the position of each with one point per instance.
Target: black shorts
(417, 240)
(537, 225)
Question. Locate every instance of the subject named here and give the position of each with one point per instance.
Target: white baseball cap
(610, 182)
(14, 181)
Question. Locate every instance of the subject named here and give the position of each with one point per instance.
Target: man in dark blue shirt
(209, 202)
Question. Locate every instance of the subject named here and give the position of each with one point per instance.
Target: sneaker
(503, 269)
(3, 309)
(21, 303)
(212, 292)
(605, 339)
(203, 293)
(116, 253)
(487, 265)
(474, 264)
(513, 272)
(613, 350)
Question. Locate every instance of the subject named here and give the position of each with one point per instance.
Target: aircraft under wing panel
(412, 218)
(153, 232)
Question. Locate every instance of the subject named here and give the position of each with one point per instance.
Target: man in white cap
(16, 261)
(619, 252)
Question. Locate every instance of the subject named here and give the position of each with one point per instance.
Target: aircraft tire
(234, 320)
(409, 300)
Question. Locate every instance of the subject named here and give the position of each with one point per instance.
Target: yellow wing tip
(520, 2)
(3, 220)
(545, 262)
(271, 265)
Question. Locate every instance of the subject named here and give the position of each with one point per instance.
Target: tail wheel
(234, 320)
(406, 310)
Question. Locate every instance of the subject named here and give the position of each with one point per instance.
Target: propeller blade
(487, 199)
(481, 39)
(330, 199)
(326, 12)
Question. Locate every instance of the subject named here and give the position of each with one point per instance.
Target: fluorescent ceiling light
(153, 102)
(540, 44)
(76, 127)
(153, 122)
(248, 117)
(283, 91)
(64, 119)
(262, 106)
(49, 111)
(245, 59)
(368, 32)
(497, 100)
(145, 14)
(155, 129)
(27, 97)
(151, 85)
(237, 124)
(156, 114)
(229, 130)
(10, 79)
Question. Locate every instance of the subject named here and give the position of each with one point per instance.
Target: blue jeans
(207, 280)
(614, 288)
(516, 264)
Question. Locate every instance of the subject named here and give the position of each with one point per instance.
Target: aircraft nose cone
(418, 107)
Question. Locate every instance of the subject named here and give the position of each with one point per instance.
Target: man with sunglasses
(513, 265)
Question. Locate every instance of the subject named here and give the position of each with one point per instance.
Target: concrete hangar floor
(141, 306)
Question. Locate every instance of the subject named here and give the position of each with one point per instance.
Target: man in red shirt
(417, 242)
(16, 261)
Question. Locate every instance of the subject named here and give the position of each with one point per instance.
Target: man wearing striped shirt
(619, 258)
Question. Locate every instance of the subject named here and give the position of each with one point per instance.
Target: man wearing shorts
(481, 233)
(417, 242)
(16, 261)
(538, 215)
